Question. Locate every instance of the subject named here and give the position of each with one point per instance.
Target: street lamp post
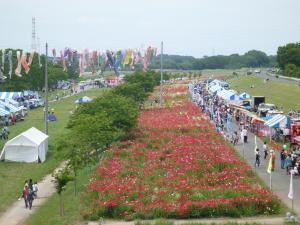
(46, 90)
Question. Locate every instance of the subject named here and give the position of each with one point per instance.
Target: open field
(13, 175)
(283, 95)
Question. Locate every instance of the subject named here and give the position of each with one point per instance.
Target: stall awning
(5, 95)
(275, 120)
(3, 112)
(215, 88)
(226, 95)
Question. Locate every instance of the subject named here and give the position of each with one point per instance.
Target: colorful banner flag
(81, 67)
(30, 58)
(54, 55)
(128, 57)
(10, 63)
(19, 66)
(269, 170)
(291, 192)
(24, 62)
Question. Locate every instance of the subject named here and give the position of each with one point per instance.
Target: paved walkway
(280, 180)
(16, 214)
(262, 219)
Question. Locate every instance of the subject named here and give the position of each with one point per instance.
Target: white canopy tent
(228, 95)
(215, 88)
(29, 146)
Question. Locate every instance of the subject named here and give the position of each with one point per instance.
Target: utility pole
(161, 74)
(46, 90)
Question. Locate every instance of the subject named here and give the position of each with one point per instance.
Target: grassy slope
(13, 175)
(281, 94)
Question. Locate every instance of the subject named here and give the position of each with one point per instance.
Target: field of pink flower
(177, 167)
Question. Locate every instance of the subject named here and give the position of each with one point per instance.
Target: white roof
(227, 94)
(215, 88)
(33, 136)
(275, 120)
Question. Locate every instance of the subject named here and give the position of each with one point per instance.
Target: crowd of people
(29, 193)
(223, 116)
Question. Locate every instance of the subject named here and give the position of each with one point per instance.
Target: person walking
(257, 158)
(245, 135)
(265, 148)
(25, 195)
(282, 158)
(35, 189)
(30, 198)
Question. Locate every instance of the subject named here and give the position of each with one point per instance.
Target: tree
(288, 54)
(61, 178)
(291, 70)
(134, 91)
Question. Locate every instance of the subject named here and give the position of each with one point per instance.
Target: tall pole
(161, 74)
(46, 90)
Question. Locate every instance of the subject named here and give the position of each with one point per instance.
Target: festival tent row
(10, 95)
(261, 126)
(29, 146)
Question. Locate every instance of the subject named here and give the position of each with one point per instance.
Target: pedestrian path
(16, 214)
(280, 180)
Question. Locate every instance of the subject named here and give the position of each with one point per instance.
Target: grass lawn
(282, 95)
(13, 175)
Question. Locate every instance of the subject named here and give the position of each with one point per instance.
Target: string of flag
(115, 60)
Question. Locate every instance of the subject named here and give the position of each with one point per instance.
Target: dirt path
(262, 220)
(16, 214)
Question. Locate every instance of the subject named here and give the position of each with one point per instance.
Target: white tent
(227, 95)
(29, 146)
(215, 88)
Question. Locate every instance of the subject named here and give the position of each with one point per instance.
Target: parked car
(267, 108)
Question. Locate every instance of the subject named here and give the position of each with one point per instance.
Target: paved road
(280, 180)
(265, 75)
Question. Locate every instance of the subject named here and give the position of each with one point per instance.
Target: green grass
(50, 209)
(283, 95)
(13, 175)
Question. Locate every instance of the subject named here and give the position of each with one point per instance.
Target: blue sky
(189, 27)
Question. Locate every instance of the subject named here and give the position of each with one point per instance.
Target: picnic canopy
(29, 146)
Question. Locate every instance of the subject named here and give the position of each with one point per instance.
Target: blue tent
(83, 99)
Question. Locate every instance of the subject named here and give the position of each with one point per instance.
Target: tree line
(288, 58)
(94, 126)
(251, 58)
